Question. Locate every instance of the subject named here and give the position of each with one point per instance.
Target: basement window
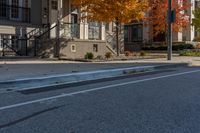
(95, 47)
(73, 48)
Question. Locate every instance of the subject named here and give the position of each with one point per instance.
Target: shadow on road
(30, 116)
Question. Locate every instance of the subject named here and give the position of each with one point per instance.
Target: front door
(53, 11)
(53, 17)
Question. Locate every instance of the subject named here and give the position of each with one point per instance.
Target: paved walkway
(12, 69)
(193, 61)
(34, 68)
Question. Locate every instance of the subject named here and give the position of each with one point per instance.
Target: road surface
(160, 102)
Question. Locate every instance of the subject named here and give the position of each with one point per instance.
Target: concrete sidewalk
(193, 61)
(15, 69)
(33, 74)
(47, 82)
(31, 69)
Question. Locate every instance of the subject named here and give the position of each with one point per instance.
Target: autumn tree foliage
(158, 16)
(110, 10)
(118, 11)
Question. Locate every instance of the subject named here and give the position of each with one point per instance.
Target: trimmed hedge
(164, 47)
(195, 53)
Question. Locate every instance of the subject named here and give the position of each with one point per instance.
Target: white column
(180, 36)
(103, 32)
(86, 26)
(177, 36)
(192, 34)
(192, 29)
(81, 31)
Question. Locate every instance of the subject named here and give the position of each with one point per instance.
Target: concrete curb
(56, 80)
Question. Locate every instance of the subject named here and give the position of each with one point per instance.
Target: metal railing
(37, 31)
(14, 47)
(15, 13)
(72, 30)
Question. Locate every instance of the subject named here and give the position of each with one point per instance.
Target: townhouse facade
(16, 17)
(50, 28)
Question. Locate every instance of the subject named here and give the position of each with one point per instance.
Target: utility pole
(169, 30)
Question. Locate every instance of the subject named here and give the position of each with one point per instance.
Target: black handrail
(31, 32)
(47, 31)
(38, 37)
(5, 44)
(35, 31)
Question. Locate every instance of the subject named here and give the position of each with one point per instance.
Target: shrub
(197, 46)
(189, 53)
(108, 55)
(176, 47)
(128, 53)
(142, 53)
(196, 39)
(182, 47)
(89, 56)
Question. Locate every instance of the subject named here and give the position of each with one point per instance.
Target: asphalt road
(161, 102)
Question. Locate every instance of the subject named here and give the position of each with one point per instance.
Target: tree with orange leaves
(158, 17)
(118, 11)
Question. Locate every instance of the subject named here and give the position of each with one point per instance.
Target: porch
(67, 18)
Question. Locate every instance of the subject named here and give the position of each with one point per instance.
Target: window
(15, 9)
(54, 5)
(95, 47)
(74, 25)
(94, 31)
(107, 26)
(133, 33)
(2, 8)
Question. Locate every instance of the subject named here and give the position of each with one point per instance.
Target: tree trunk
(57, 45)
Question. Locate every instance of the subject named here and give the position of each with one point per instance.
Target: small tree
(196, 20)
(118, 11)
